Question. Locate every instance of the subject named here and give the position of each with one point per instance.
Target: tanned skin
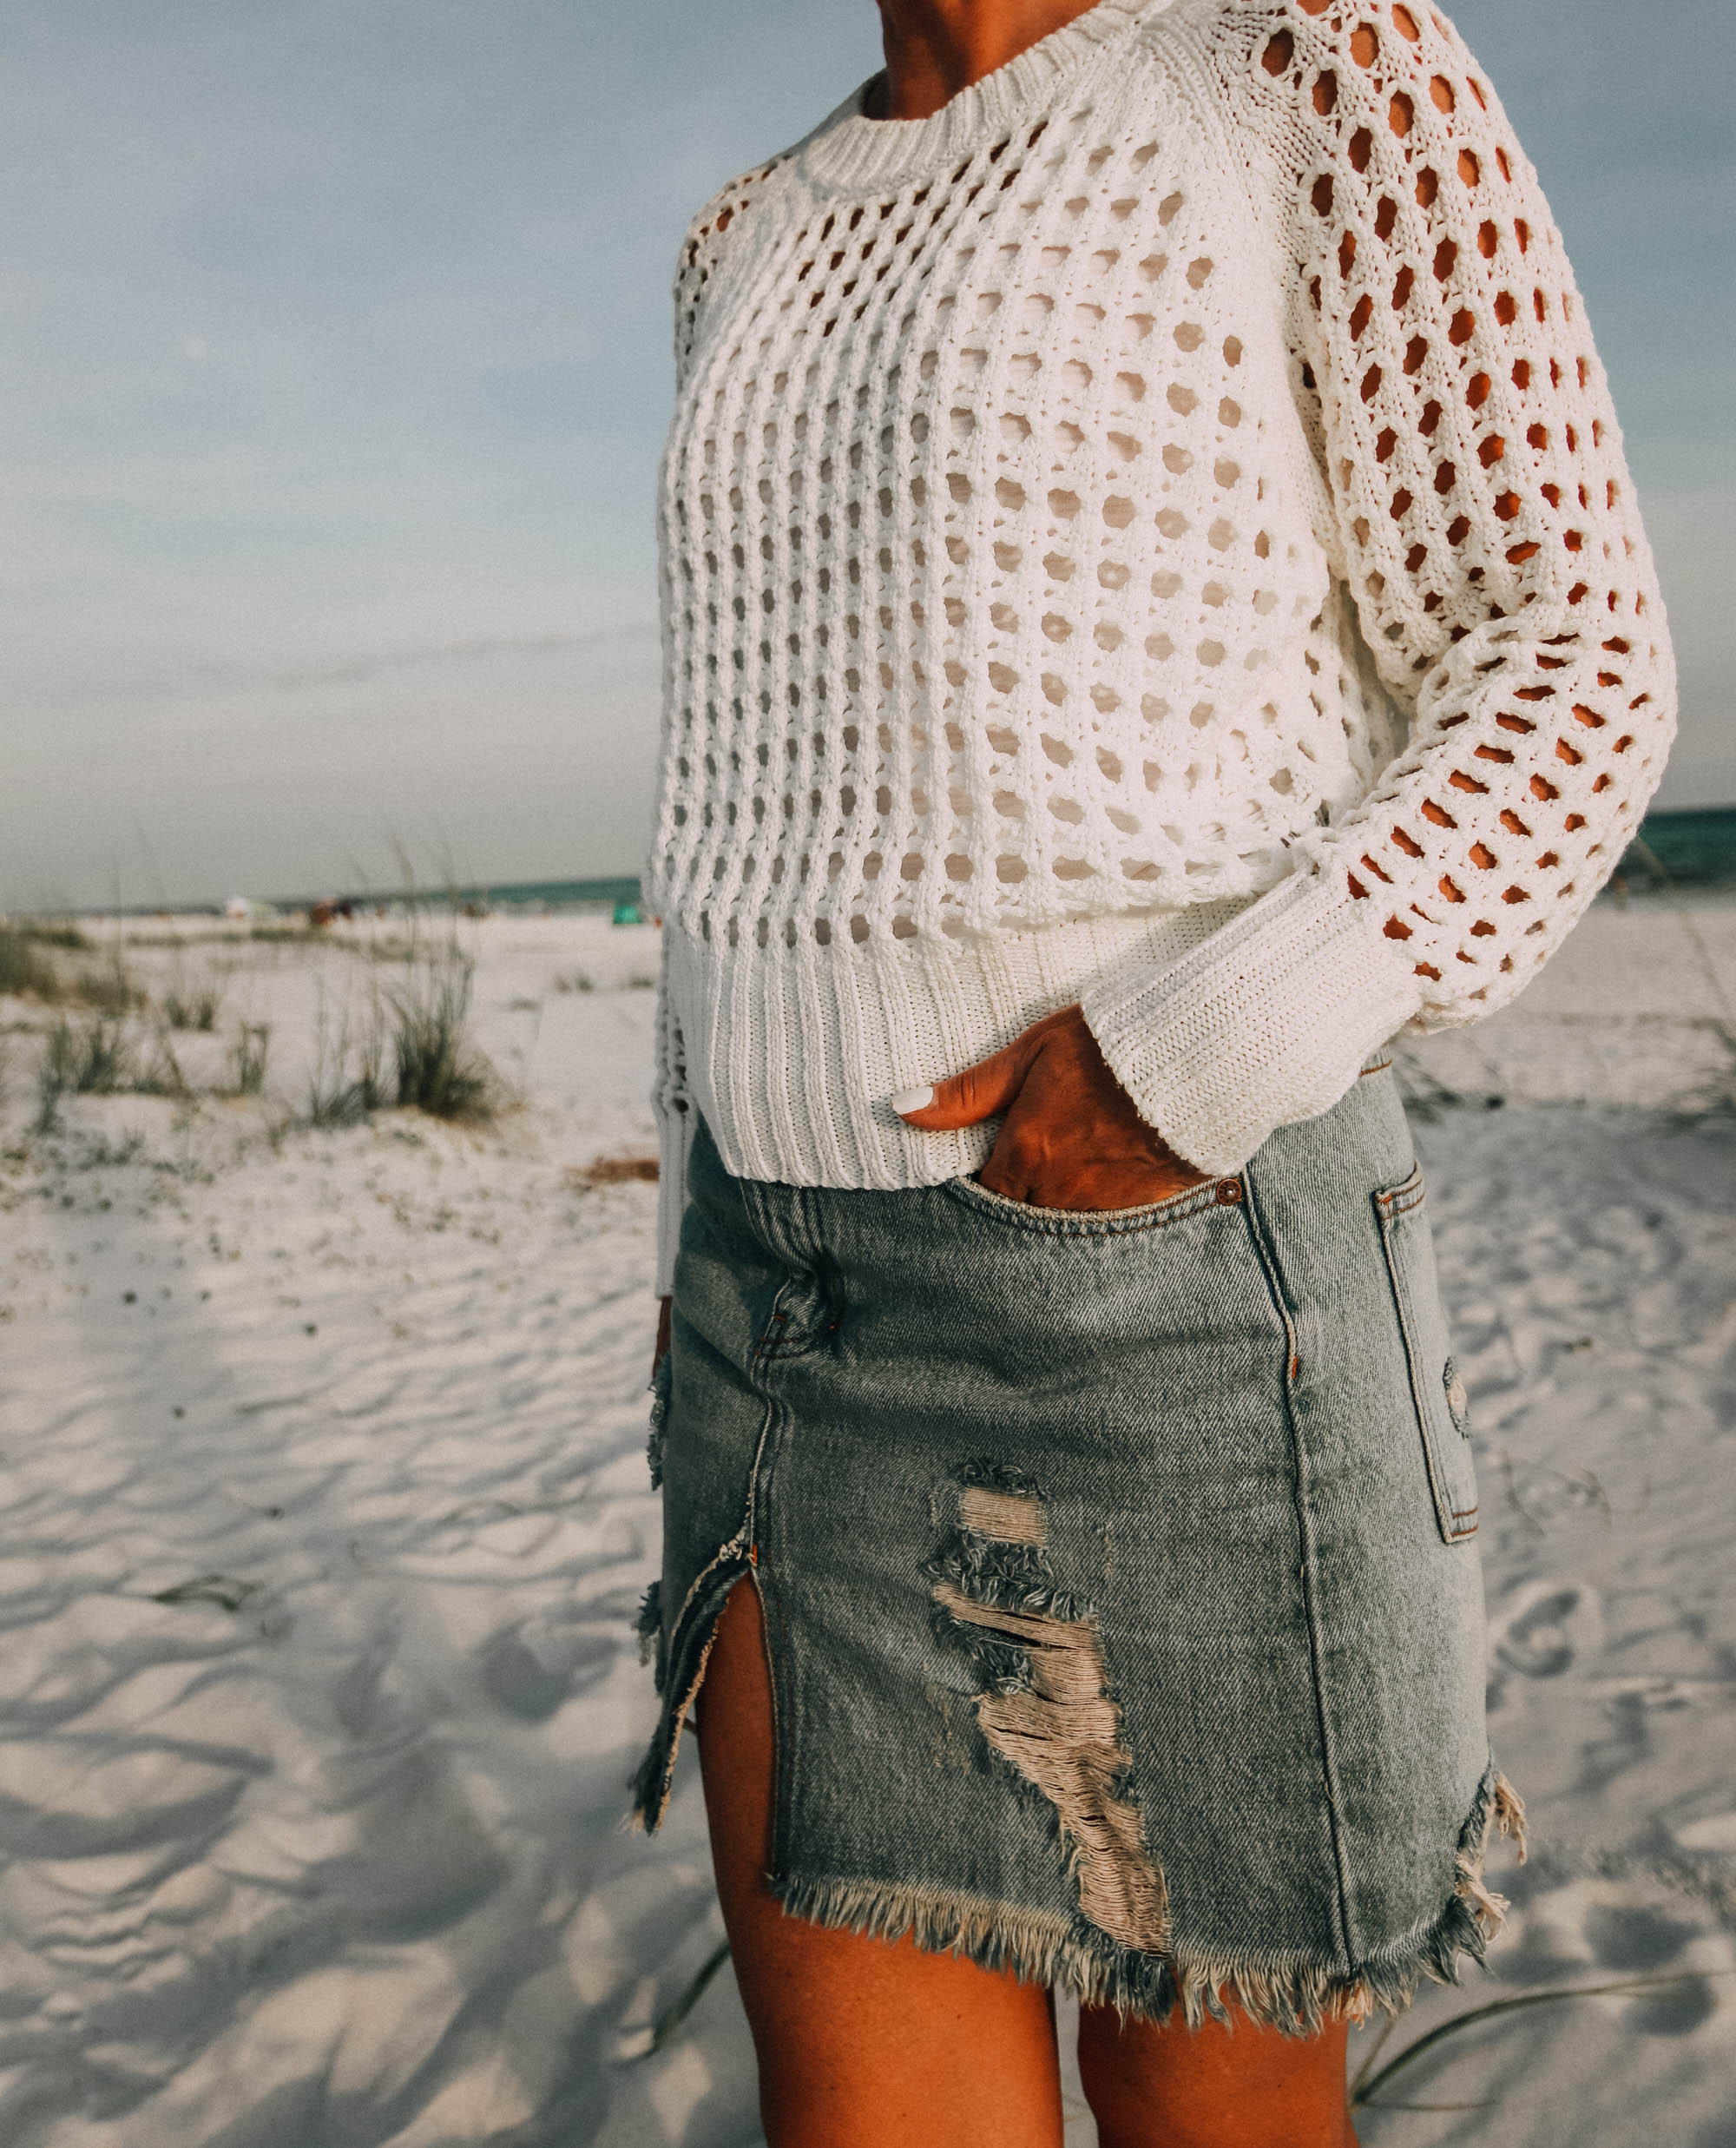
(864, 2043)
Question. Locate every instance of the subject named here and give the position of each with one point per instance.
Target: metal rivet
(1229, 1192)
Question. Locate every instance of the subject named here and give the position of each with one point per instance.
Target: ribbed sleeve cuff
(1267, 1021)
(674, 1131)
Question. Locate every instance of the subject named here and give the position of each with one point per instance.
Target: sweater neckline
(851, 152)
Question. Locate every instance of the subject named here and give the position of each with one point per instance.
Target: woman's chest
(1052, 402)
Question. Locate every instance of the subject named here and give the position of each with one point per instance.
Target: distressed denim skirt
(1118, 1570)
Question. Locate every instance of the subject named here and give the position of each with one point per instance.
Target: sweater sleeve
(1484, 522)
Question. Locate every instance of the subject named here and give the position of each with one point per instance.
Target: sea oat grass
(109, 988)
(439, 1069)
(411, 1050)
(101, 1058)
(87, 1058)
(24, 969)
(347, 1083)
(247, 1057)
(193, 1009)
(162, 1075)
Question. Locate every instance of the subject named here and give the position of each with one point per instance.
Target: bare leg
(861, 2042)
(1213, 2087)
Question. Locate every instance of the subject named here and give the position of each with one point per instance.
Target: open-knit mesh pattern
(945, 659)
(1488, 526)
(1207, 478)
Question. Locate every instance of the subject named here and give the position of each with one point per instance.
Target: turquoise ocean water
(1694, 846)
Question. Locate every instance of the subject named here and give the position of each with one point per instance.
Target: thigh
(860, 2041)
(1246, 2087)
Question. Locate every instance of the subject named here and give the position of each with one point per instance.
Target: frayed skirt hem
(1299, 1997)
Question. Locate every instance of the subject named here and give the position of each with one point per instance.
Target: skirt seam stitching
(1271, 1268)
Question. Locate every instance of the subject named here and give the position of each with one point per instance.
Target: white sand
(328, 1855)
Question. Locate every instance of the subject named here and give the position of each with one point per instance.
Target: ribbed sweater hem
(791, 1054)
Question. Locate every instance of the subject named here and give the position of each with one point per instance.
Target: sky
(334, 367)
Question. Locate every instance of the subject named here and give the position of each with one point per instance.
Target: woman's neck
(936, 48)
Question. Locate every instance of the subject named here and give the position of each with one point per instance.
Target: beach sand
(324, 1515)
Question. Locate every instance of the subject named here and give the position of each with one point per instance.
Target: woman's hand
(1070, 1137)
(662, 1344)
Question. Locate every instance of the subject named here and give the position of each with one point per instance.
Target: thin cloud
(199, 681)
(364, 670)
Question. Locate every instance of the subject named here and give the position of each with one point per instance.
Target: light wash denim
(1118, 1570)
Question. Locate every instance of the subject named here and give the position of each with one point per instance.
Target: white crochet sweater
(1154, 534)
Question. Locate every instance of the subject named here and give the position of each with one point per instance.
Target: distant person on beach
(1153, 608)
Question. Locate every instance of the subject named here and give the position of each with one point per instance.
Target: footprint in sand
(515, 1679)
(535, 1666)
(1533, 1639)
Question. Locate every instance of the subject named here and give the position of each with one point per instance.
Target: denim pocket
(1436, 1385)
(1096, 1223)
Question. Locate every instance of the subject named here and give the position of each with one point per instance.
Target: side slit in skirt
(1118, 1570)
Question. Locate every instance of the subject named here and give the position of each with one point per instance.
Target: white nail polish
(909, 1100)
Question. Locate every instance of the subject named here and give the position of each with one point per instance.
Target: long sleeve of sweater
(1484, 522)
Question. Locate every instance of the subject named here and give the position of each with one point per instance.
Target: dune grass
(24, 969)
(86, 1058)
(109, 989)
(247, 1059)
(347, 1082)
(69, 937)
(412, 1049)
(439, 1069)
(32, 967)
(193, 1009)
